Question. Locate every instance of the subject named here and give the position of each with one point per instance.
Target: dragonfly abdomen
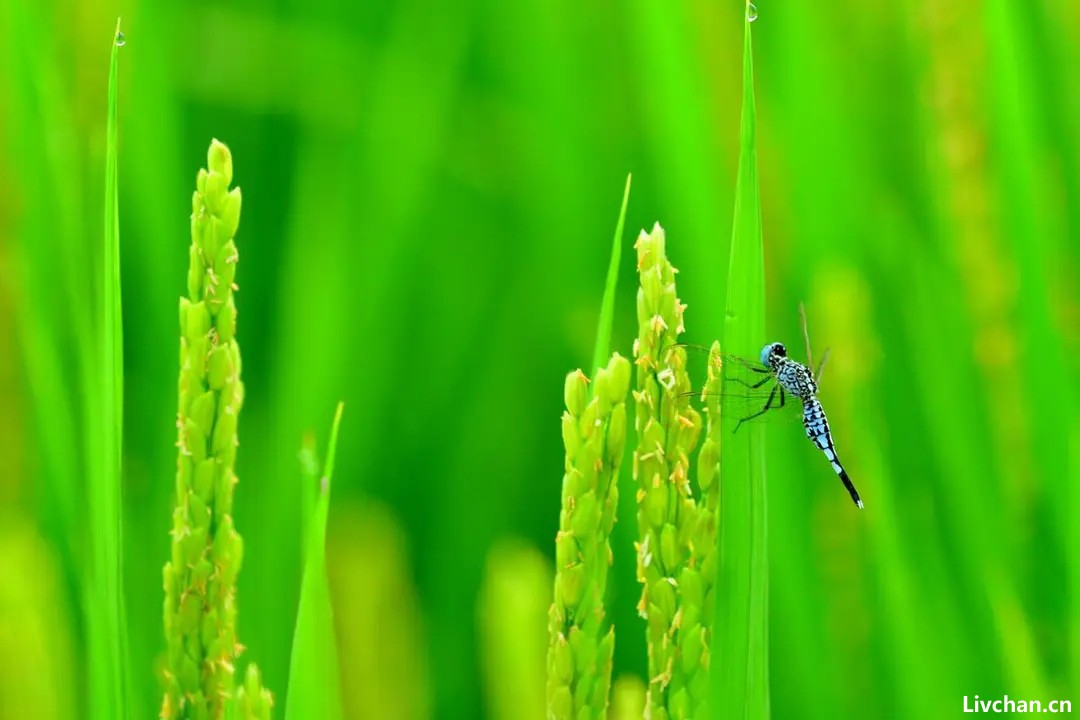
(817, 429)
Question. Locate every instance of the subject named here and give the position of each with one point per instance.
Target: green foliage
(425, 189)
(385, 671)
(200, 576)
(514, 599)
(628, 698)
(104, 435)
(581, 639)
(36, 632)
(253, 701)
(676, 520)
(607, 305)
(741, 655)
(313, 670)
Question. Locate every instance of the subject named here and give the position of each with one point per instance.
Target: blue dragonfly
(781, 376)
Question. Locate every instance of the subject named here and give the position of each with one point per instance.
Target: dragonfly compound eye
(769, 350)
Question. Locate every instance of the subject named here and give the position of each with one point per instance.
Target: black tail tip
(850, 488)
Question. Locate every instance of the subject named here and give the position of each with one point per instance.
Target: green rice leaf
(607, 305)
(309, 488)
(107, 634)
(313, 669)
(740, 661)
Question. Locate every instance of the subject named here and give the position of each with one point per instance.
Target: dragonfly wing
(744, 388)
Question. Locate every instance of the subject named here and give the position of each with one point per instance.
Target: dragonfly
(783, 376)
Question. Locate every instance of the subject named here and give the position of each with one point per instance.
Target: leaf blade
(607, 305)
(740, 668)
(107, 631)
(313, 667)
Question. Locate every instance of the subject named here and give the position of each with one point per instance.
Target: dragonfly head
(770, 351)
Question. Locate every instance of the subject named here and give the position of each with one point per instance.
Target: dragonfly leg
(748, 365)
(756, 385)
(762, 411)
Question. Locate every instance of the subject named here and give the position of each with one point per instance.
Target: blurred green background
(429, 193)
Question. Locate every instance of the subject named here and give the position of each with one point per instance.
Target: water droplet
(120, 39)
(751, 12)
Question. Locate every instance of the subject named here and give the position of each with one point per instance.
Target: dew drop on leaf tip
(120, 39)
(751, 12)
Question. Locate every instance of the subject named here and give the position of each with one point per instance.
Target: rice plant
(676, 522)
(426, 217)
(581, 638)
(207, 551)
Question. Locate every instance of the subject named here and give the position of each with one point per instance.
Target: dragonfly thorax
(795, 378)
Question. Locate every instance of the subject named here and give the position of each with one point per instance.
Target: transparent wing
(745, 389)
